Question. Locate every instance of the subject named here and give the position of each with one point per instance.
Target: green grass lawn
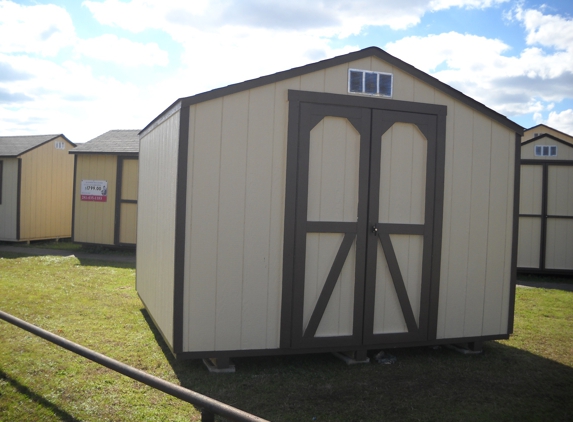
(526, 378)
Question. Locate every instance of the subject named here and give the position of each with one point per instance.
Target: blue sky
(84, 67)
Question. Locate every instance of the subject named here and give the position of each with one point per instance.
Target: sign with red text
(94, 190)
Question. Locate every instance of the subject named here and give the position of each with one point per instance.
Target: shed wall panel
(500, 232)
(156, 222)
(94, 221)
(203, 193)
(477, 233)
(9, 205)
(46, 192)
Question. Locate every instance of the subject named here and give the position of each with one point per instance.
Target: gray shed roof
(14, 146)
(121, 142)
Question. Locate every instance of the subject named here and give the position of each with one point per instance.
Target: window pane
(553, 151)
(370, 83)
(356, 81)
(385, 85)
(538, 150)
(545, 150)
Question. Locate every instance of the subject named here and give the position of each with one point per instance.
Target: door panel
(333, 171)
(529, 245)
(559, 245)
(128, 223)
(402, 179)
(361, 212)
(560, 181)
(321, 252)
(402, 175)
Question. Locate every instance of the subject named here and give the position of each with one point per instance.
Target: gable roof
(324, 64)
(14, 146)
(541, 126)
(546, 135)
(120, 142)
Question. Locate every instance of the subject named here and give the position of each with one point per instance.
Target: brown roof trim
(324, 64)
(547, 135)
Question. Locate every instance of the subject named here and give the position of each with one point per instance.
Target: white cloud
(66, 96)
(481, 68)
(331, 17)
(42, 29)
(121, 51)
(562, 121)
(546, 30)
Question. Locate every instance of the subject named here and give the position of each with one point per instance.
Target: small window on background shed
(371, 83)
(546, 150)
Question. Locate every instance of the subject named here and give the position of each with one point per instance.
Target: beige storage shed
(36, 176)
(105, 189)
(546, 202)
(352, 204)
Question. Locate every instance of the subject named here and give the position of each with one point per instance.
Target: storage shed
(36, 175)
(546, 202)
(105, 189)
(352, 204)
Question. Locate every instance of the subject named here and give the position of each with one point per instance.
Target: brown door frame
(306, 109)
(119, 200)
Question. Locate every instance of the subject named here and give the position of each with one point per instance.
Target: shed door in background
(559, 241)
(363, 232)
(546, 216)
(126, 204)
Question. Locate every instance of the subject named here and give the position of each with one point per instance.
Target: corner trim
(515, 228)
(19, 200)
(180, 222)
(74, 198)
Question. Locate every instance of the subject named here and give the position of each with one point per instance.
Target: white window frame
(363, 92)
(545, 150)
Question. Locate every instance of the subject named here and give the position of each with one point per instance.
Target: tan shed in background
(111, 158)
(546, 202)
(36, 176)
(348, 205)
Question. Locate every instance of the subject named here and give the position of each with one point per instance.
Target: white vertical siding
(156, 222)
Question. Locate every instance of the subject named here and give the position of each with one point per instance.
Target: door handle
(374, 229)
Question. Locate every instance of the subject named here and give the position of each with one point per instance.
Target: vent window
(371, 83)
(545, 150)
(60, 145)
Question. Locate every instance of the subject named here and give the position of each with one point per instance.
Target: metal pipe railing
(209, 407)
